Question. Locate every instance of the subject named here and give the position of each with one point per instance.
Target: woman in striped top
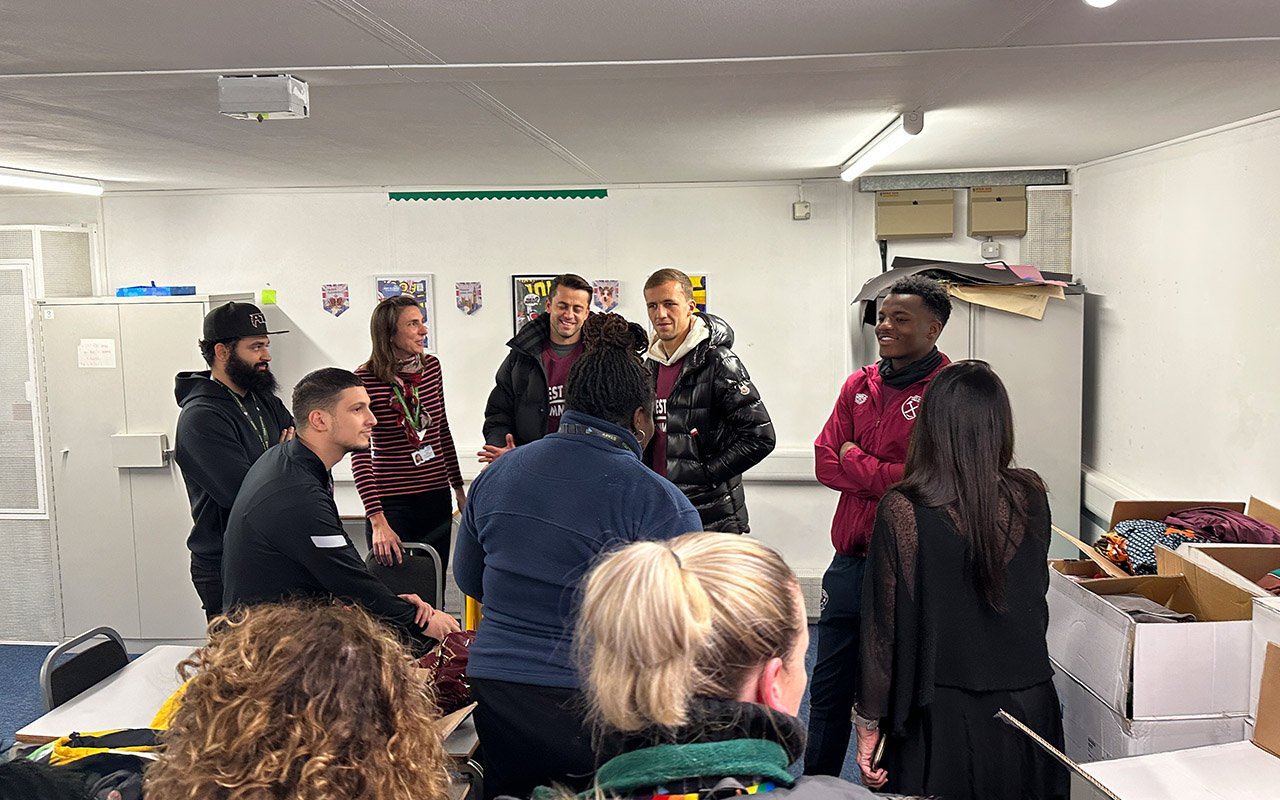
(404, 480)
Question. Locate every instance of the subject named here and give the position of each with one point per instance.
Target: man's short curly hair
(930, 292)
(306, 701)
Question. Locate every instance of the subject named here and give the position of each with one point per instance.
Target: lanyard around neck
(587, 430)
(259, 426)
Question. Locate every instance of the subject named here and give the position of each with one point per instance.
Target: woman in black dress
(954, 613)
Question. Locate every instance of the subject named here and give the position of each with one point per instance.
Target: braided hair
(610, 381)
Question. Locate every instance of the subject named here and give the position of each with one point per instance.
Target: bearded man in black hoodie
(230, 416)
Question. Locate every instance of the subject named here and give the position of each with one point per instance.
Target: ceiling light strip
(550, 194)
(886, 142)
(48, 182)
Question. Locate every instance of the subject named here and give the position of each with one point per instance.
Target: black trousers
(837, 670)
(208, 583)
(531, 736)
(425, 517)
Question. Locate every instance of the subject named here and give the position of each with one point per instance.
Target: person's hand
(867, 740)
(422, 609)
(461, 496)
(286, 435)
(846, 447)
(386, 543)
(441, 625)
(491, 452)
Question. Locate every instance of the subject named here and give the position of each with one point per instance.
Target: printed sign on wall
(468, 294)
(605, 295)
(335, 297)
(699, 291)
(529, 297)
(419, 287)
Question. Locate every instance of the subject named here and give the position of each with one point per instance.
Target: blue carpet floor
(20, 692)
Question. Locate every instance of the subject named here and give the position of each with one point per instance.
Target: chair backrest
(420, 573)
(62, 680)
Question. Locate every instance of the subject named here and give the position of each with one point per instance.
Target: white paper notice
(96, 353)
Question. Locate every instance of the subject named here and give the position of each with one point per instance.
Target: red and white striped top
(388, 469)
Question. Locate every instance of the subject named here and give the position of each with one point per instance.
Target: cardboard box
(1248, 770)
(1264, 629)
(1094, 731)
(1241, 564)
(1153, 670)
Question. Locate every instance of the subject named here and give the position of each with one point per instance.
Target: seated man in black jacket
(711, 425)
(285, 539)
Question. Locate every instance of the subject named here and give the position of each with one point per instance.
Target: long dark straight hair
(960, 456)
(382, 329)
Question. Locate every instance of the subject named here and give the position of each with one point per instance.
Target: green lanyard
(259, 426)
(412, 416)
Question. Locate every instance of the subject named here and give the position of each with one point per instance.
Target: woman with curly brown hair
(535, 520)
(301, 701)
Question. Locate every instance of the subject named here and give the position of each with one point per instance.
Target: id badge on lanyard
(423, 454)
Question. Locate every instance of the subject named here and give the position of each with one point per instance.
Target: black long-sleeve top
(924, 621)
(285, 539)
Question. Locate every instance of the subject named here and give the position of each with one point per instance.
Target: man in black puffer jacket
(528, 394)
(711, 425)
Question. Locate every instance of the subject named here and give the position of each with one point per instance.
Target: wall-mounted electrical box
(915, 214)
(998, 211)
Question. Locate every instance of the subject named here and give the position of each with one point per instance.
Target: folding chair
(420, 573)
(59, 682)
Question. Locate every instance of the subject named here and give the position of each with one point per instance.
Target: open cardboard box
(1248, 770)
(1241, 564)
(1155, 670)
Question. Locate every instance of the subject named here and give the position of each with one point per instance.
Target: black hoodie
(215, 445)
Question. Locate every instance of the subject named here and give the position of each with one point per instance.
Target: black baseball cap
(235, 321)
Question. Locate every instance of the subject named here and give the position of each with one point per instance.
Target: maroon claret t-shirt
(666, 382)
(557, 368)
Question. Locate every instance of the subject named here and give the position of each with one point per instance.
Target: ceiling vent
(263, 97)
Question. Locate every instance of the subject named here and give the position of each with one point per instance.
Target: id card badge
(422, 455)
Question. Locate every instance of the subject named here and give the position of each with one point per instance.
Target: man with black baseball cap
(230, 416)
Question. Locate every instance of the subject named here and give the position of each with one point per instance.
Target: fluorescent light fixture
(48, 182)
(885, 142)
(1100, 3)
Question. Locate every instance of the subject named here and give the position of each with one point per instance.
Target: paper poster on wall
(96, 354)
(336, 298)
(699, 291)
(605, 295)
(420, 288)
(469, 297)
(529, 297)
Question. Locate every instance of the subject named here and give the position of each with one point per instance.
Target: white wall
(783, 285)
(1180, 244)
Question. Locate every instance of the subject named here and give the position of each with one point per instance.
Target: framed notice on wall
(528, 298)
(420, 288)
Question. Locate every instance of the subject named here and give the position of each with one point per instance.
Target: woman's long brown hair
(382, 329)
(961, 456)
(305, 702)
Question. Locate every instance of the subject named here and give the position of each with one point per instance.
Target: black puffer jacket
(714, 396)
(518, 404)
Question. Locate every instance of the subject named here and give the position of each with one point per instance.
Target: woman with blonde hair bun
(692, 654)
(305, 701)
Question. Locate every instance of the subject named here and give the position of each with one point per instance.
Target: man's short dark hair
(320, 390)
(671, 275)
(207, 345)
(569, 281)
(930, 292)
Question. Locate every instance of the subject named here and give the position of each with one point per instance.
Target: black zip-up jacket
(285, 539)
(714, 395)
(215, 444)
(518, 404)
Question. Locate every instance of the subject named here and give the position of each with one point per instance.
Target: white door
(82, 364)
(160, 339)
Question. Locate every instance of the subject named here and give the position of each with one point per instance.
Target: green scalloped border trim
(552, 194)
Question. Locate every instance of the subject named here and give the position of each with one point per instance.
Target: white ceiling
(584, 92)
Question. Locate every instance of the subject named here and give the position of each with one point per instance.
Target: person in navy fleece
(533, 524)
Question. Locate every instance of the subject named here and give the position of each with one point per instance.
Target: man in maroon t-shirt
(528, 398)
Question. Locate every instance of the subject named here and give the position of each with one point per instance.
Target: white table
(128, 699)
